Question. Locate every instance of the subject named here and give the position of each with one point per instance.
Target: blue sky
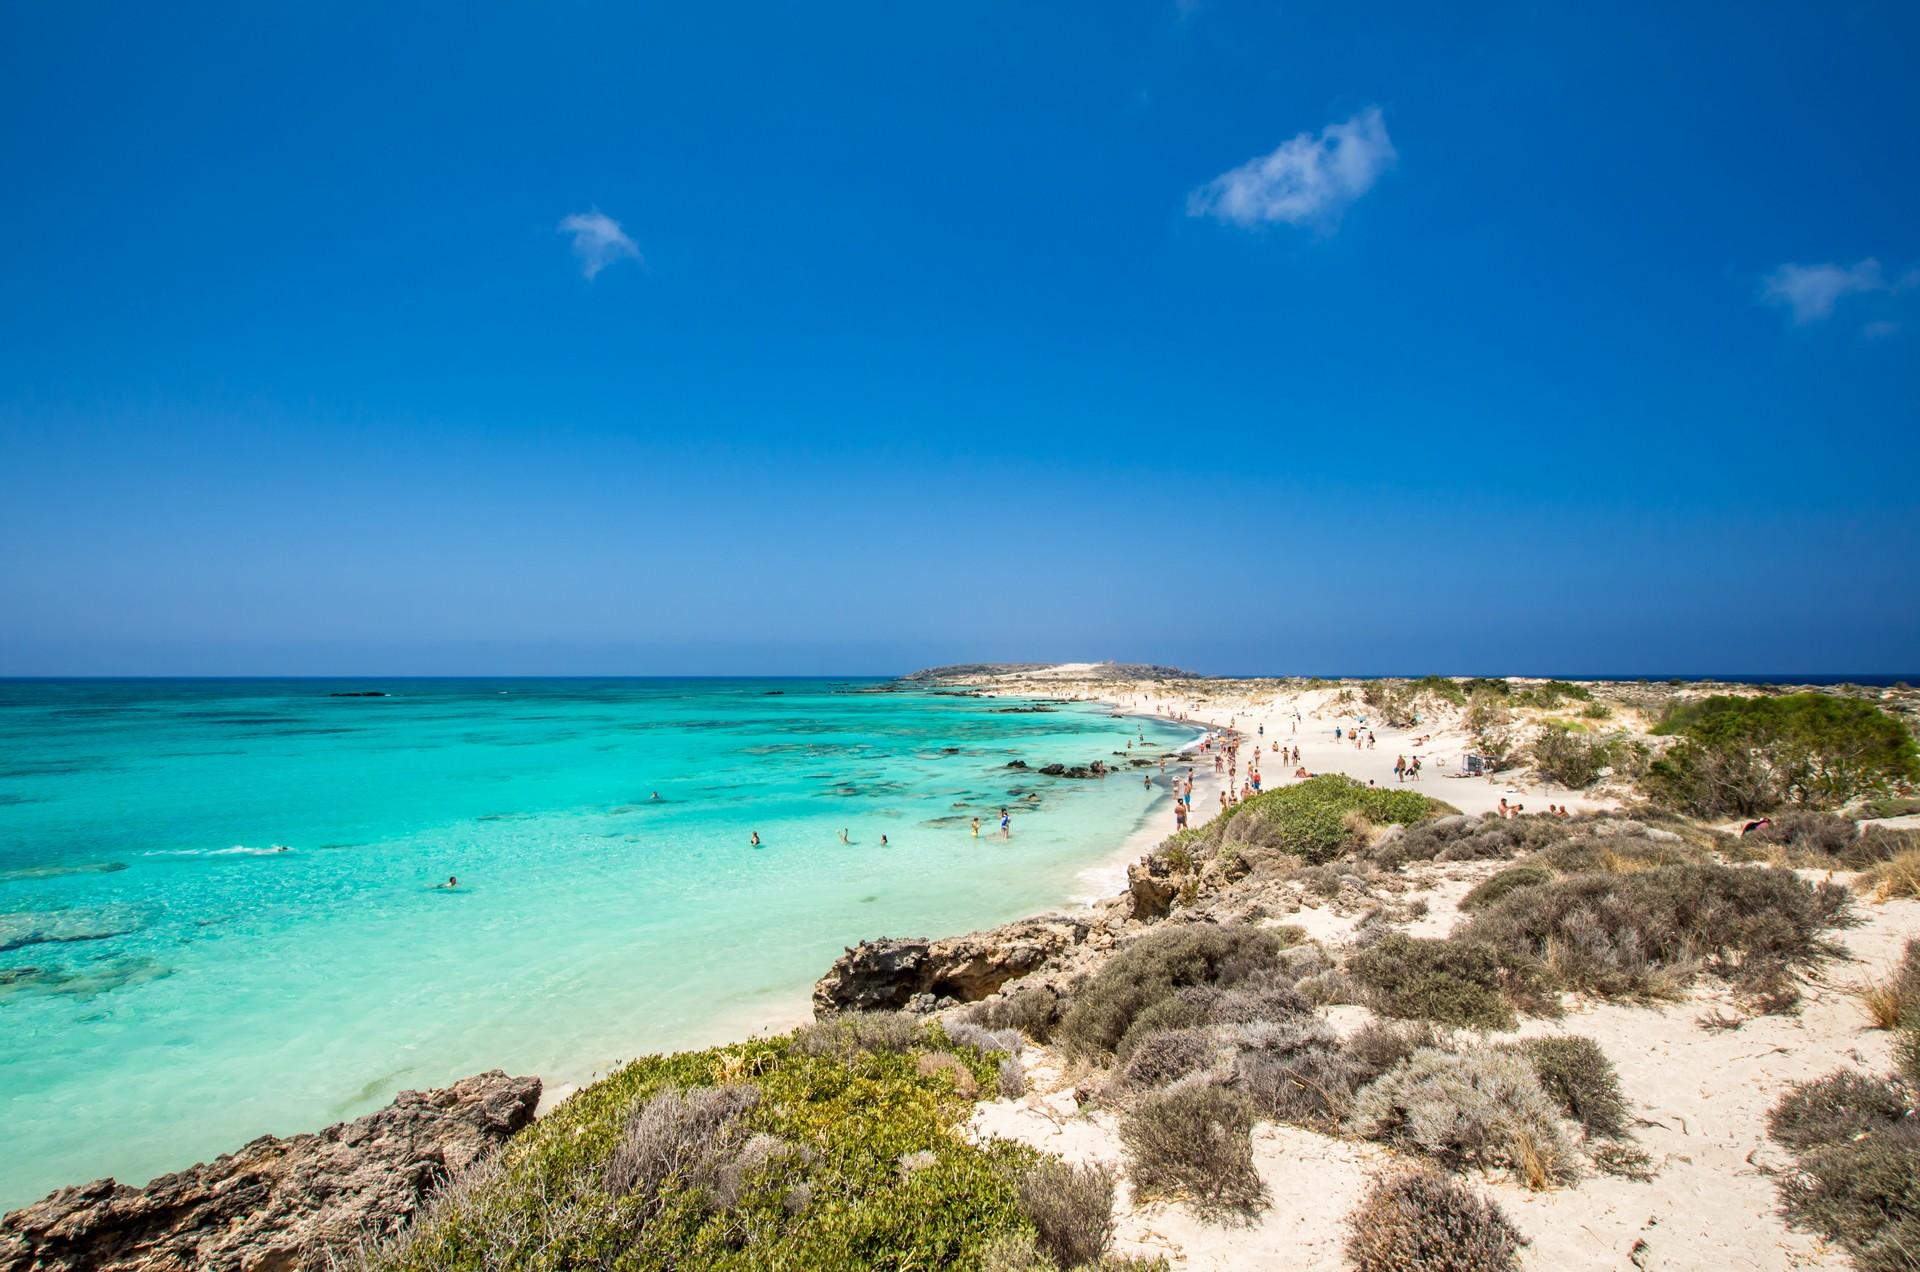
(1249, 337)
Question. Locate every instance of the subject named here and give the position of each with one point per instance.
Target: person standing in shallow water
(1006, 825)
(976, 828)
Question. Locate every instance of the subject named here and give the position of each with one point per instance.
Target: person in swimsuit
(883, 841)
(450, 883)
(976, 828)
(1006, 825)
(756, 839)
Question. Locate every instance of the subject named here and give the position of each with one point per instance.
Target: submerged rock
(277, 1205)
(889, 973)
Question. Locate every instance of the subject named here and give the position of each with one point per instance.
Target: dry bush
(1472, 1108)
(1857, 1143)
(1512, 879)
(1161, 1059)
(1333, 986)
(1577, 1075)
(1034, 1011)
(951, 1067)
(1645, 932)
(1293, 1071)
(1839, 1107)
(1898, 876)
(1379, 1045)
(1152, 969)
(1462, 838)
(1199, 1005)
(1196, 1141)
(1422, 1221)
(852, 1033)
(1449, 981)
(1010, 1079)
(687, 1135)
(1071, 1208)
(1906, 1055)
(983, 1041)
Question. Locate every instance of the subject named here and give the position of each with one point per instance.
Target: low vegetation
(1648, 932)
(1483, 1107)
(1576, 1074)
(1317, 819)
(1856, 1141)
(1741, 756)
(1194, 1141)
(1152, 970)
(1423, 1221)
(1449, 982)
(836, 1148)
(1072, 1211)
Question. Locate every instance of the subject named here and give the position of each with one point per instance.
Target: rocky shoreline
(277, 1205)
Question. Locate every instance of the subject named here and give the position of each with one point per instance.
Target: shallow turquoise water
(172, 984)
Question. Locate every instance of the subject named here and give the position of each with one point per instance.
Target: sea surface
(218, 915)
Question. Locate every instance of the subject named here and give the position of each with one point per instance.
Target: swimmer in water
(450, 883)
(883, 841)
(756, 839)
(656, 795)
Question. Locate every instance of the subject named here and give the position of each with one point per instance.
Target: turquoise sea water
(173, 983)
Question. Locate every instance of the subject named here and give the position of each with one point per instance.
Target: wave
(238, 850)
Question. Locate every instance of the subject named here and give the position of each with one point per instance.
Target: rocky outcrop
(1153, 885)
(277, 1205)
(889, 974)
(1096, 769)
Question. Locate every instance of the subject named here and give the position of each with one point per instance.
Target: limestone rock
(277, 1205)
(889, 973)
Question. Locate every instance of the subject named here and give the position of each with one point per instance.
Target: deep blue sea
(217, 906)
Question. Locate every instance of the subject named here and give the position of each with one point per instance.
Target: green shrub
(1194, 1141)
(809, 1174)
(1152, 969)
(1422, 1221)
(1858, 1148)
(1563, 756)
(1643, 932)
(1071, 1208)
(1511, 879)
(1311, 819)
(1740, 756)
(1471, 1108)
(1576, 1074)
(1447, 981)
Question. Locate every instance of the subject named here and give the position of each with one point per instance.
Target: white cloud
(598, 241)
(1811, 291)
(1307, 181)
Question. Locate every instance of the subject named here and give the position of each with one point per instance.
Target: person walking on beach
(1400, 769)
(1179, 816)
